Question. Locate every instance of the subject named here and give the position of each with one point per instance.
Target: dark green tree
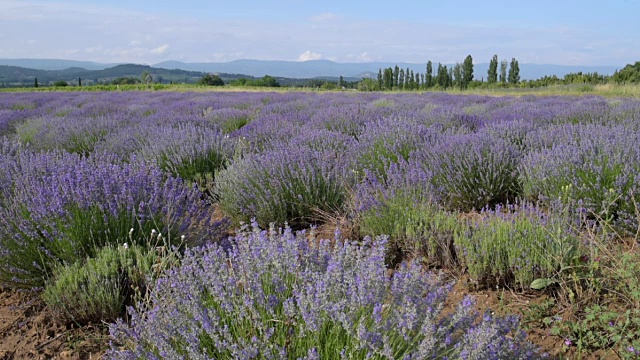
(422, 80)
(380, 79)
(388, 79)
(514, 72)
(414, 82)
(35, 82)
(503, 71)
(146, 77)
(401, 84)
(458, 76)
(60, 83)
(492, 73)
(441, 77)
(79, 82)
(211, 80)
(367, 84)
(340, 82)
(428, 77)
(269, 81)
(630, 74)
(467, 71)
(396, 75)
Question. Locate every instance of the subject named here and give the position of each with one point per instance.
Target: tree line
(501, 73)
(458, 76)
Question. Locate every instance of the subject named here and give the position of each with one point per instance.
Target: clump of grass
(101, 288)
(402, 206)
(516, 245)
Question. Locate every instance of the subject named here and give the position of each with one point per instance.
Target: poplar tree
(467, 71)
(428, 77)
(514, 72)
(388, 78)
(414, 82)
(440, 78)
(380, 79)
(401, 79)
(492, 73)
(396, 73)
(503, 71)
(458, 76)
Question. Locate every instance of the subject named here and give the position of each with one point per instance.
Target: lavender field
(195, 223)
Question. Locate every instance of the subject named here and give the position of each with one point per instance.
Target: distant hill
(21, 76)
(16, 76)
(15, 72)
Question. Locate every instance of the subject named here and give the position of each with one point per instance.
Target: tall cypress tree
(503, 71)
(467, 71)
(458, 76)
(492, 73)
(388, 78)
(440, 79)
(428, 77)
(35, 82)
(514, 72)
(380, 79)
(414, 83)
(396, 74)
(401, 84)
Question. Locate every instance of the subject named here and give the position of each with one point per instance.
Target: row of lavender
(85, 170)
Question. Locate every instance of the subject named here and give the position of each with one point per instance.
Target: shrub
(101, 288)
(62, 207)
(286, 185)
(211, 80)
(272, 295)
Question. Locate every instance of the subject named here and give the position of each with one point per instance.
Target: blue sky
(567, 32)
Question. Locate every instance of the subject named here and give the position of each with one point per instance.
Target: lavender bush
(272, 295)
(190, 152)
(62, 207)
(472, 171)
(594, 164)
(285, 185)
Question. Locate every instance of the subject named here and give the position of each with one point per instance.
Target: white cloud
(364, 57)
(309, 55)
(160, 49)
